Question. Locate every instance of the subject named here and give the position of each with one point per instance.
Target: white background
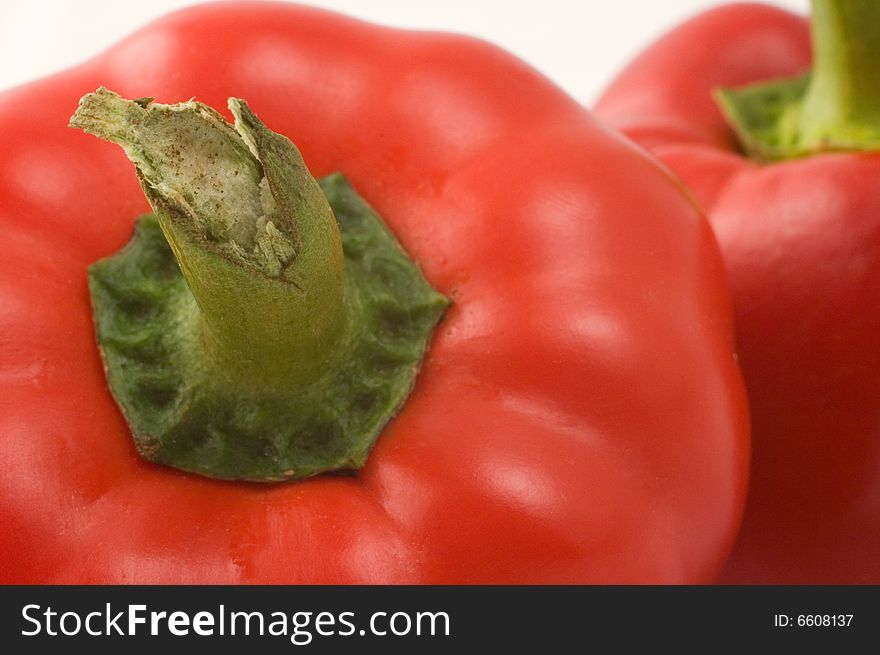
(578, 44)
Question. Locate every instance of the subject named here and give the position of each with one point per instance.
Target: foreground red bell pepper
(579, 416)
(800, 231)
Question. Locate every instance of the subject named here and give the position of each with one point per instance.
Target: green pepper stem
(259, 325)
(842, 103)
(834, 108)
(251, 230)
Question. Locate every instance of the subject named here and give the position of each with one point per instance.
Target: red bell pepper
(579, 416)
(795, 203)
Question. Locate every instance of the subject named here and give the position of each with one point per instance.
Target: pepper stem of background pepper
(843, 97)
(836, 107)
(297, 333)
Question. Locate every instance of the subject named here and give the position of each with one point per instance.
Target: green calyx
(835, 107)
(259, 325)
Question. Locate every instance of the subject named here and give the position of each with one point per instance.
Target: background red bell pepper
(579, 417)
(801, 240)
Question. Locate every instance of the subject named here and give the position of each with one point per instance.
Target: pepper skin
(801, 240)
(579, 416)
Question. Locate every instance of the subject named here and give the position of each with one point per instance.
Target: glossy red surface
(801, 240)
(579, 417)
